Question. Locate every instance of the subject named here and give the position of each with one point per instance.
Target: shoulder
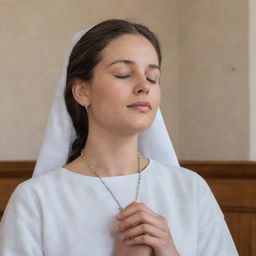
(191, 184)
(180, 178)
(29, 194)
(176, 172)
(37, 183)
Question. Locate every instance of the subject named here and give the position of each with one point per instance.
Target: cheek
(156, 95)
(113, 97)
(112, 92)
(110, 98)
(159, 97)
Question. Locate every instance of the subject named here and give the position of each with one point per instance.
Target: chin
(141, 126)
(137, 123)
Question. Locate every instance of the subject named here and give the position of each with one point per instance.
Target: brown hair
(83, 59)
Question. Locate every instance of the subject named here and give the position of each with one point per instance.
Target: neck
(113, 155)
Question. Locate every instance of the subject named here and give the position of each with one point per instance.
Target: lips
(140, 106)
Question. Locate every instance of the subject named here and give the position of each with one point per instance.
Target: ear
(81, 92)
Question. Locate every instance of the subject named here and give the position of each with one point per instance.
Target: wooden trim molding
(207, 169)
(16, 169)
(233, 183)
(223, 169)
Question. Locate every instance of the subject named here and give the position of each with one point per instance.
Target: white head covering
(60, 133)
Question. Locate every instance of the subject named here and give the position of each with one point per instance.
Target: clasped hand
(140, 225)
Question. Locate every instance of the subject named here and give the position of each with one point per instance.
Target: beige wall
(214, 85)
(205, 78)
(34, 38)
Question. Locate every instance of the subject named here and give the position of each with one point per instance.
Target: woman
(87, 207)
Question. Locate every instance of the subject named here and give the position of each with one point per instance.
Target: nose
(142, 85)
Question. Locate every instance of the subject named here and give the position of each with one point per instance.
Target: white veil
(59, 135)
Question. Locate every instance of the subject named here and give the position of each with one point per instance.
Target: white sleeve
(214, 237)
(20, 227)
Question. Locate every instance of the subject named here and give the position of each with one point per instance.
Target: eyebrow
(129, 62)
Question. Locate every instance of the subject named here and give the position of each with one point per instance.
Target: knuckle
(127, 233)
(141, 206)
(123, 225)
(144, 227)
(143, 216)
(144, 238)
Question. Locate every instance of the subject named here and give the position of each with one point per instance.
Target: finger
(142, 229)
(128, 210)
(140, 218)
(133, 208)
(147, 240)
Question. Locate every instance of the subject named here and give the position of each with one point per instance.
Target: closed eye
(127, 76)
(151, 81)
(122, 77)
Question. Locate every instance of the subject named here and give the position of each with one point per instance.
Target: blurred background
(208, 86)
(208, 75)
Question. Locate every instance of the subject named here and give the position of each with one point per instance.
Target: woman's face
(127, 73)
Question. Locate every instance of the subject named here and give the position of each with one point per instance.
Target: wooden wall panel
(253, 236)
(234, 186)
(232, 183)
(7, 186)
(11, 174)
(237, 198)
(240, 226)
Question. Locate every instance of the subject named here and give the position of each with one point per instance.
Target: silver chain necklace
(92, 168)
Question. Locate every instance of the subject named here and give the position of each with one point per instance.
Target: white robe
(63, 213)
